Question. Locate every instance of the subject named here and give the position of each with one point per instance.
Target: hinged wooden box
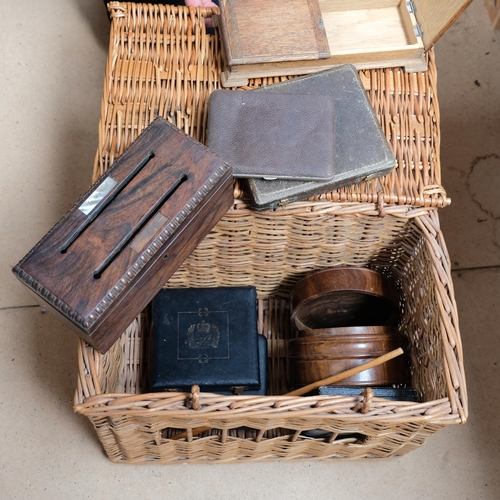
(110, 255)
(366, 33)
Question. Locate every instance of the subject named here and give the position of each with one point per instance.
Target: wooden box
(109, 256)
(366, 33)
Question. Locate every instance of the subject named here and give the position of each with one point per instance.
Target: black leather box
(392, 393)
(204, 336)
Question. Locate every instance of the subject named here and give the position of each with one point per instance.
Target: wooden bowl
(343, 347)
(318, 354)
(344, 296)
(349, 331)
(393, 372)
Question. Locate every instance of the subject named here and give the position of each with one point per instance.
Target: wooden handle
(347, 373)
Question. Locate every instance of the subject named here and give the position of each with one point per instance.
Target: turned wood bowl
(327, 352)
(344, 296)
(349, 331)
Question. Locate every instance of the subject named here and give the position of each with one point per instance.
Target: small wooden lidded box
(110, 255)
(366, 33)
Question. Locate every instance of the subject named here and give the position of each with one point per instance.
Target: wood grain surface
(99, 269)
(344, 296)
(263, 31)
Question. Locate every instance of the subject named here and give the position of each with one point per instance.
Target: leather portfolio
(361, 148)
(109, 256)
(273, 136)
(392, 393)
(206, 337)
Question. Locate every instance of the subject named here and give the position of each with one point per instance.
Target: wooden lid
(344, 296)
(260, 31)
(436, 16)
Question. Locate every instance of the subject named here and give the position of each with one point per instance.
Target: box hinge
(412, 10)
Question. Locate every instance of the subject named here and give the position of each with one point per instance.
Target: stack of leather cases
(362, 151)
(207, 337)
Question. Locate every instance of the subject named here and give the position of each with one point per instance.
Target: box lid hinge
(418, 30)
(411, 7)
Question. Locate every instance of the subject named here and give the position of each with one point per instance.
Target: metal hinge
(412, 10)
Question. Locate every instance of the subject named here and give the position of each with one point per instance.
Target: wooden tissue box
(109, 256)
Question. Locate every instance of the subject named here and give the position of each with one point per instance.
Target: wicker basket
(161, 61)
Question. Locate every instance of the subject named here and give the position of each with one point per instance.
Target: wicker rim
(90, 400)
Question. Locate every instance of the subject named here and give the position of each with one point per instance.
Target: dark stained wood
(329, 351)
(344, 296)
(99, 270)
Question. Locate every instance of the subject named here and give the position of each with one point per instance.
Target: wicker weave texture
(161, 61)
(137, 427)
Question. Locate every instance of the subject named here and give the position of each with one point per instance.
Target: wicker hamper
(162, 61)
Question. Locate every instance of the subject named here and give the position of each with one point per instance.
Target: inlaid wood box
(366, 33)
(109, 256)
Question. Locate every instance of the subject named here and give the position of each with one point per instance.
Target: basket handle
(364, 406)
(193, 401)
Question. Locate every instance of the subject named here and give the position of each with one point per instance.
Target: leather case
(204, 336)
(262, 345)
(109, 256)
(361, 148)
(273, 136)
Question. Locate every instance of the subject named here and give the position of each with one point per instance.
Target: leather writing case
(273, 136)
(204, 336)
(361, 148)
(109, 256)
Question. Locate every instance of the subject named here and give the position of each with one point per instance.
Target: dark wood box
(109, 256)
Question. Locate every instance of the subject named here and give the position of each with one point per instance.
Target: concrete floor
(53, 56)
